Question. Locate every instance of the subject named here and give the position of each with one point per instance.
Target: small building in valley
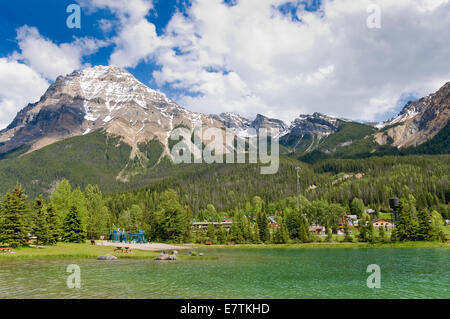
(317, 229)
(204, 225)
(272, 222)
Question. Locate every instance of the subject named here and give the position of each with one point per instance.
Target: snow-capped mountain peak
(101, 97)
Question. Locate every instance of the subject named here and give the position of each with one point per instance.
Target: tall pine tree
(73, 229)
(407, 224)
(53, 224)
(425, 229)
(14, 220)
(40, 222)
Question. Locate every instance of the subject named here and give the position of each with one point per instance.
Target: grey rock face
(306, 131)
(102, 97)
(419, 121)
(240, 124)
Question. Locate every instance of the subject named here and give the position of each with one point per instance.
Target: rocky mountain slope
(241, 126)
(418, 122)
(101, 97)
(307, 131)
(111, 99)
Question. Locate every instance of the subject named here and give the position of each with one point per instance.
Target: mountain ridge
(112, 99)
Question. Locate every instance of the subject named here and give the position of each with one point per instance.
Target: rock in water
(162, 256)
(107, 257)
(165, 256)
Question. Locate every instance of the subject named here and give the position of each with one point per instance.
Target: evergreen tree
(236, 230)
(293, 223)
(211, 233)
(304, 230)
(425, 230)
(14, 221)
(221, 235)
(263, 227)
(53, 224)
(407, 224)
(73, 229)
(381, 233)
(256, 235)
(40, 227)
(281, 235)
(370, 232)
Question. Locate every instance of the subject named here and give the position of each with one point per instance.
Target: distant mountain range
(106, 104)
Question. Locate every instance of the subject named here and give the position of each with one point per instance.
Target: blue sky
(280, 58)
(49, 16)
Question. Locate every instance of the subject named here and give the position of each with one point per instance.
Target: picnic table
(5, 248)
(122, 249)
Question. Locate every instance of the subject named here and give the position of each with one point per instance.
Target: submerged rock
(106, 257)
(164, 256)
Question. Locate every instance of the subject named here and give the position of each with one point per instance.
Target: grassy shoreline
(68, 250)
(410, 244)
(84, 251)
(87, 251)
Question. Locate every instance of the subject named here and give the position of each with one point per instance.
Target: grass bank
(83, 251)
(70, 250)
(410, 244)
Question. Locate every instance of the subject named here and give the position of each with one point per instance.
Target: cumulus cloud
(50, 59)
(252, 58)
(136, 38)
(25, 75)
(19, 85)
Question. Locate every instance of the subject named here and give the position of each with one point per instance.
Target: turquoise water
(239, 273)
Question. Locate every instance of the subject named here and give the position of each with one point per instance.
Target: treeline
(69, 216)
(228, 187)
(329, 190)
(75, 215)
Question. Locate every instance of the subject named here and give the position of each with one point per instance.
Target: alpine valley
(102, 126)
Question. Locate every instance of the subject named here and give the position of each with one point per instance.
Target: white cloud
(134, 43)
(50, 59)
(252, 59)
(130, 11)
(24, 75)
(19, 85)
(136, 38)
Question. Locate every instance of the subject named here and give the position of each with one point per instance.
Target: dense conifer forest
(166, 208)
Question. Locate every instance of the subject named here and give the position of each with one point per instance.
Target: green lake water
(239, 273)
